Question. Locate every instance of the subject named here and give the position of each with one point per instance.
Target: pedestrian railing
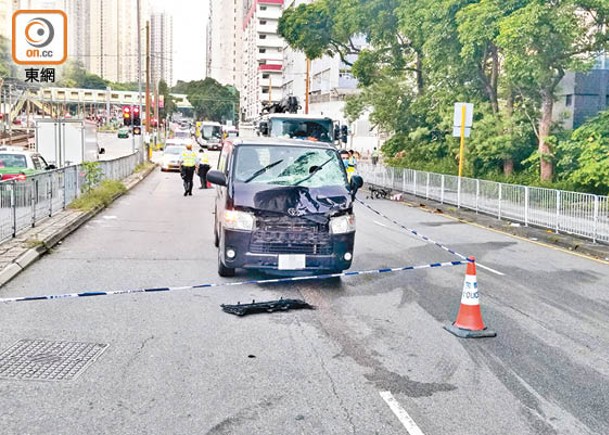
(580, 214)
(24, 203)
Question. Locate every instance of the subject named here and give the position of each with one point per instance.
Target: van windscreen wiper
(259, 172)
(314, 171)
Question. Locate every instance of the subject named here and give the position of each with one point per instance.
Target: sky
(189, 22)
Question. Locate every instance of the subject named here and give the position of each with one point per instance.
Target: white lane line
(401, 413)
(380, 224)
(481, 266)
(496, 272)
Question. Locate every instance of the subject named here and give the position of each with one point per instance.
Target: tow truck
(282, 120)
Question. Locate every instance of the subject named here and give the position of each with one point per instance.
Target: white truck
(64, 142)
(297, 126)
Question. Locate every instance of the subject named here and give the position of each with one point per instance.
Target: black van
(283, 205)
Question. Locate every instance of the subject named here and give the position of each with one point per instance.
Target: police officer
(203, 168)
(351, 165)
(188, 162)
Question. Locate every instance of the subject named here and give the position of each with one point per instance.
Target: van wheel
(224, 271)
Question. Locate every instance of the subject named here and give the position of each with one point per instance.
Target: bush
(101, 196)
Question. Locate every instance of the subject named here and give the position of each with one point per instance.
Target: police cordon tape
(238, 283)
(413, 232)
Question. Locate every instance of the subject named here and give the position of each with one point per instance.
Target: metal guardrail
(581, 214)
(25, 203)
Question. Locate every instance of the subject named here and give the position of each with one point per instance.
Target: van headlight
(238, 220)
(342, 224)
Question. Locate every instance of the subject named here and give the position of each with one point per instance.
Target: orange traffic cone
(469, 323)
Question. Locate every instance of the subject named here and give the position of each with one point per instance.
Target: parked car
(123, 133)
(17, 163)
(283, 206)
(171, 157)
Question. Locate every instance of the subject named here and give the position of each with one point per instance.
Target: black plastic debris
(266, 307)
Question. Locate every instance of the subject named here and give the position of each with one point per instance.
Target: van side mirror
(356, 183)
(264, 128)
(216, 177)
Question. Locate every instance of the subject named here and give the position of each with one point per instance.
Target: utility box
(65, 142)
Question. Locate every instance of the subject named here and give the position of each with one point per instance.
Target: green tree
(584, 158)
(211, 100)
(74, 75)
(541, 40)
(505, 56)
(5, 58)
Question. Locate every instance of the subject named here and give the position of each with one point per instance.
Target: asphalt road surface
(116, 147)
(372, 359)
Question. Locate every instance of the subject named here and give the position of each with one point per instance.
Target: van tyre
(224, 271)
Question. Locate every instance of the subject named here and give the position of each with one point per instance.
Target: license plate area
(292, 262)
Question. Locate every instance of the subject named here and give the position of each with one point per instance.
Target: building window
(569, 101)
(262, 36)
(262, 22)
(263, 8)
(265, 90)
(262, 50)
(266, 75)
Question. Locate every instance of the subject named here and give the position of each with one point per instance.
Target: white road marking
(380, 224)
(496, 272)
(481, 266)
(109, 217)
(401, 413)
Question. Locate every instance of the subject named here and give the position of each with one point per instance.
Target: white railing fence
(25, 203)
(579, 214)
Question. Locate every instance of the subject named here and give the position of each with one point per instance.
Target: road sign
(460, 117)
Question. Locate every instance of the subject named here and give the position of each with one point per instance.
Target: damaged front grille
(287, 235)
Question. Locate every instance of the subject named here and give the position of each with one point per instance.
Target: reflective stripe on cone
(469, 323)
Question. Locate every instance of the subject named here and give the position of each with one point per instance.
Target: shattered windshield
(289, 166)
(310, 129)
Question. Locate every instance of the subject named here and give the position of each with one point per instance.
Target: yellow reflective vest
(188, 158)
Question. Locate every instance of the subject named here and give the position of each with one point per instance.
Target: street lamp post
(139, 65)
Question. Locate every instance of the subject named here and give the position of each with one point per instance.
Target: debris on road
(266, 307)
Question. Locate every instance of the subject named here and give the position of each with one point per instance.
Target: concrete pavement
(19, 253)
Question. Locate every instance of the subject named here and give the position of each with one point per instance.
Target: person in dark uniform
(188, 163)
(203, 169)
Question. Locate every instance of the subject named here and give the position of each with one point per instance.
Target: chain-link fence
(25, 202)
(580, 214)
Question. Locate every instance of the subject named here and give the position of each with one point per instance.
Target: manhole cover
(41, 360)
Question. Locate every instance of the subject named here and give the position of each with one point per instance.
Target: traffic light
(127, 115)
(336, 133)
(137, 131)
(136, 116)
(344, 133)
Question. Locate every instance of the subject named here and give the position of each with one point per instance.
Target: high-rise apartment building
(225, 42)
(161, 47)
(113, 43)
(262, 56)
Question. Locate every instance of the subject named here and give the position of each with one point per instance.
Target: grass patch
(101, 196)
(33, 243)
(143, 166)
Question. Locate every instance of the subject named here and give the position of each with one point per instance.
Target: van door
(222, 191)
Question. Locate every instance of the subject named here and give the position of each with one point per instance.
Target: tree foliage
(421, 56)
(211, 100)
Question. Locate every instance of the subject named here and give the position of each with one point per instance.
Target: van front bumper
(331, 260)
